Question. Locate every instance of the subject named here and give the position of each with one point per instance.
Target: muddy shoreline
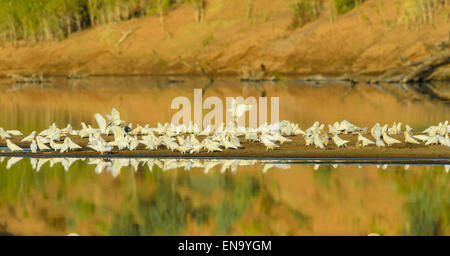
(296, 149)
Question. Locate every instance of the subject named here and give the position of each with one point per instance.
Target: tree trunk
(91, 11)
(69, 26)
(78, 22)
(47, 31)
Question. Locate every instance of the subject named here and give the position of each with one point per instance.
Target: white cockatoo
(238, 110)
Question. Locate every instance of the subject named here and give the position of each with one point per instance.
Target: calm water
(169, 197)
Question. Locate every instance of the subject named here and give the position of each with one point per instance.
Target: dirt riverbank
(369, 39)
(294, 149)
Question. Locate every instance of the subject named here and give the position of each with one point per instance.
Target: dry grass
(417, 13)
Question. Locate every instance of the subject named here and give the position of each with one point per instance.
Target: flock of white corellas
(115, 165)
(187, 138)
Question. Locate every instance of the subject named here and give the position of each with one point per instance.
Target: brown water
(299, 200)
(147, 100)
(346, 200)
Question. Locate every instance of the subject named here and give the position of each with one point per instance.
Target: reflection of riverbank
(114, 165)
(301, 200)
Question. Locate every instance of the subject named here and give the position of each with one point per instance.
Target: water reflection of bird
(40, 163)
(268, 166)
(12, 161)
(114, 166)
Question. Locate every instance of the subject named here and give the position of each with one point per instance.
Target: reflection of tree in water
(405, 93)
(142, 202)
(166, 211)
(163, 211)
(428, 200)
(323, 175)
(239, 197)
(269, 202)
(176, 200)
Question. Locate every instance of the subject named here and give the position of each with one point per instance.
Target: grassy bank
(49, 20)
(217, 36)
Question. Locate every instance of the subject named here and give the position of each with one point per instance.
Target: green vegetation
(343, 6)
(208, 40)
(149, 203)
(199, 7)
(428, 199)
(49, 20)
(309, 10)
(421, 12)
(305, 11)
(323, 176)
(239, 195)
